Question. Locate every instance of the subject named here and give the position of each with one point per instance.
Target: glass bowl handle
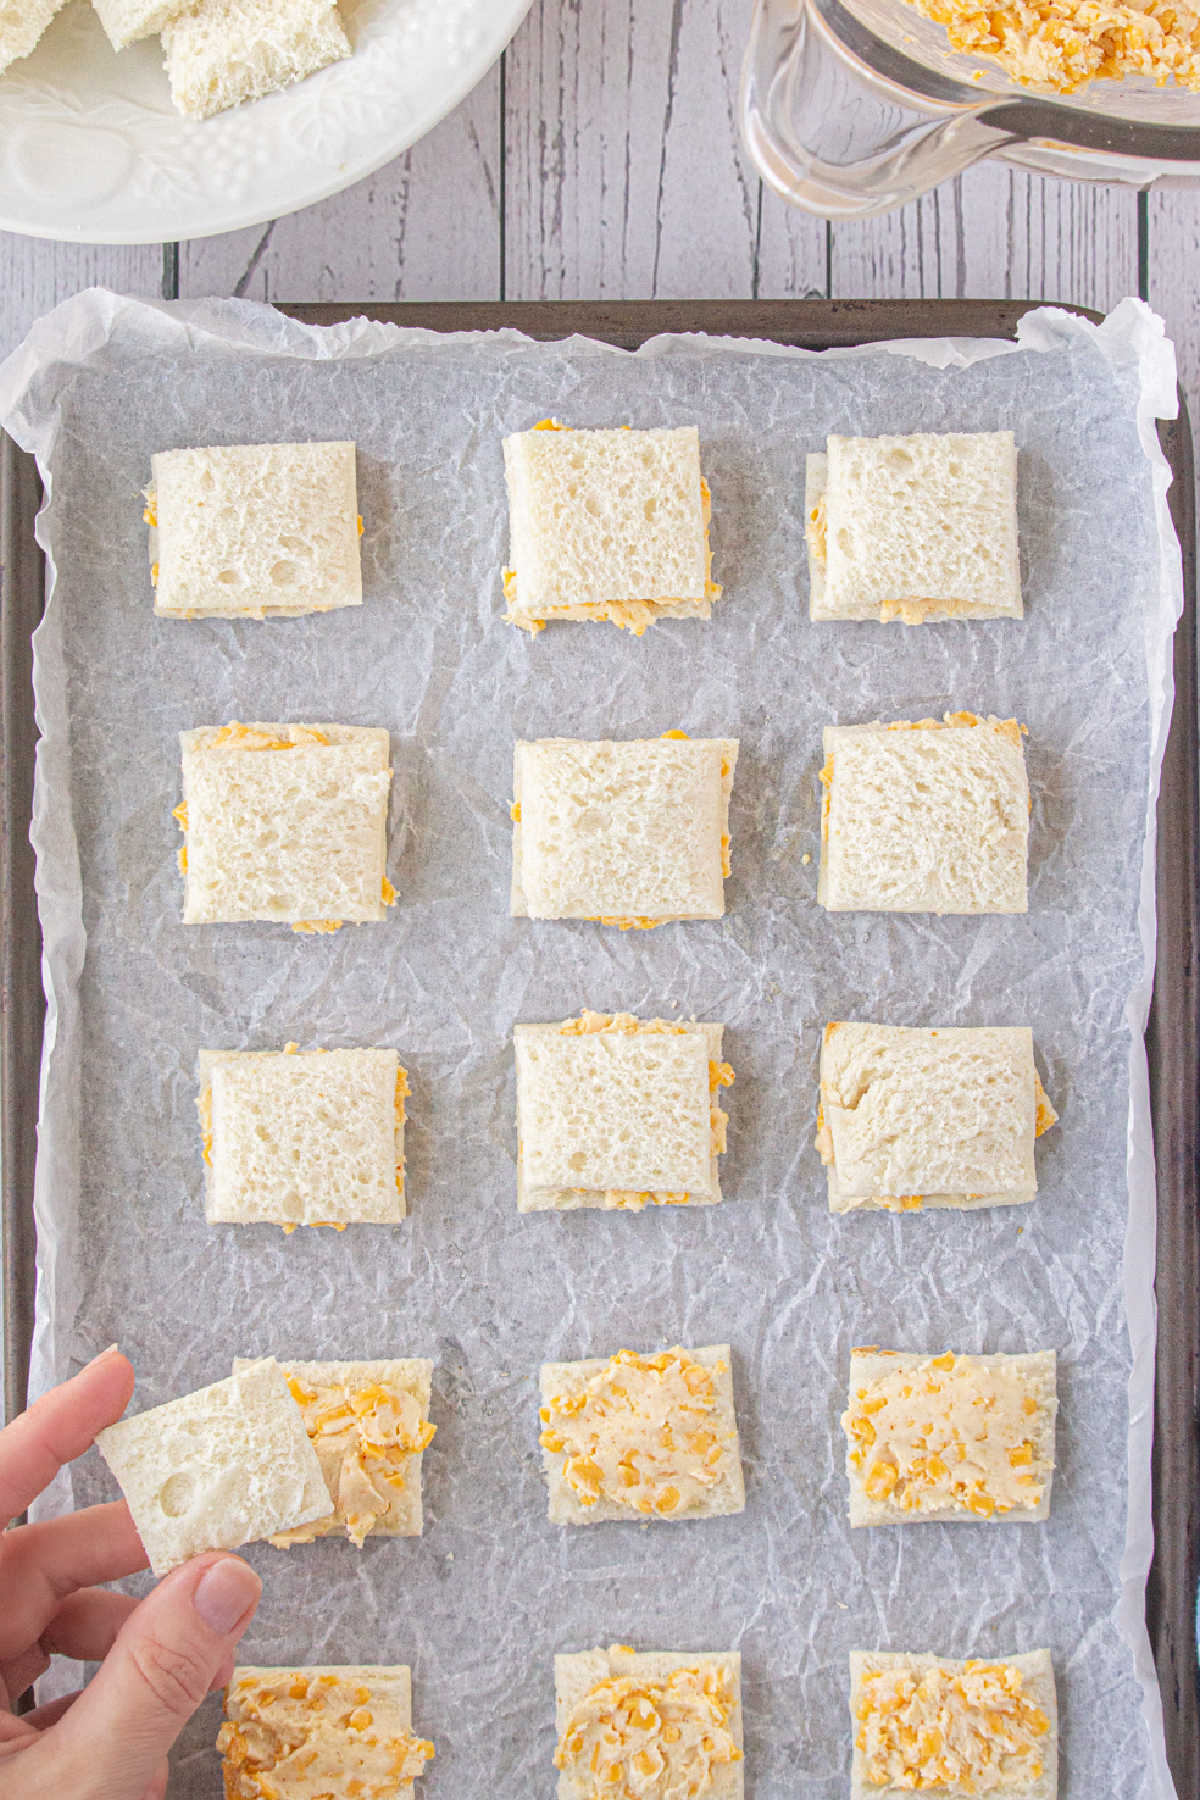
(839, 140)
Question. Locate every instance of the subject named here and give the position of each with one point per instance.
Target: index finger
(59, 1427)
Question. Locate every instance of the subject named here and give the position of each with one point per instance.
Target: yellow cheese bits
(633, 1739)
(644, 1432)
(1065, 44)
(365, 1437)
(973, 1731)
(299, 1736)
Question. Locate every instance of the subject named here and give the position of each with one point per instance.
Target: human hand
(158, 1657)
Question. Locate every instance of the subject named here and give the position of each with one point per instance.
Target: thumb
(168, 1655)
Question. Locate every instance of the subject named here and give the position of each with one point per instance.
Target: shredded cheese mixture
(365, 1438)
(1065, 44)
(644, 1432)
(948, 1435)
(972, 1730)
(633, 1739)
(300, 1737)
(720, 1074)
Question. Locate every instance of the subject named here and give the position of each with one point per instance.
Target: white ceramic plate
(91, 148)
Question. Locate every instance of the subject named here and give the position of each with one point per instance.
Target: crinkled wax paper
(482, 1601)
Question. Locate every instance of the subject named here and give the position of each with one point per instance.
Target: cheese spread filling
(972, 1730)
(720, 1075)
(300, 1737)
(947, 1435)
(1064, 44)
(644, 1432)
(630, 615)
(365, 1438)
(634, 1739)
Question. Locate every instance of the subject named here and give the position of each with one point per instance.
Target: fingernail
(225, 1592)
(111, 1351)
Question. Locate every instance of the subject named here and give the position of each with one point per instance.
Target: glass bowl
(852, 107)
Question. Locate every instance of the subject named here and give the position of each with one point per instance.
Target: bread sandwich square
(956, 1729)
(931, 817)
(607, 525)
(321, 1732)
(915, 528)
(22, 25)
(676, 1716)
(910, 1118)
(949, 1438)
(618, 1112)
(217, 1468)
(369, 1425)
(641, 1437)
(221, 53)
(254, 531)
(285, 822)
(312, 1137)
(632, 833)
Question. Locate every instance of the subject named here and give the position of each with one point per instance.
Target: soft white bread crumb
(942, 1117)
(296, 833)
(322, 1731)
(914, 528)
(254, 530)
(314, 1138)
(601, 518)
(974, 1408)
(929, 817)
(610, 1118)
(1037, 1673)
(227, 51)
(127, 21)
(22, 23)
(575, 1675)
(360, 1474)
(633, 832)
(217, 1468)
(726, 1495)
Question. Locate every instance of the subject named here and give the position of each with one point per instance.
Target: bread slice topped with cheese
(917, 528)
(254, 531)
(930, 816)
(285, 823)
(312, 1137)
(369, 1425)
(217, 1468)
(619, 1113)
(609, 525)
(949, 1438)
(673, 1714)
(641, 1437)
(221, 53)
(956, 1729)
(320, 1729)
(943, 1117)
(632, 833)
(22, 26)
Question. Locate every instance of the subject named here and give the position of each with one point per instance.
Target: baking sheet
(483, 1600)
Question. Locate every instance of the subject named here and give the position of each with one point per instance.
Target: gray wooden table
(601, 158)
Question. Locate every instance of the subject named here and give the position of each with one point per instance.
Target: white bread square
(1038, 1672)
(217, 1468)
(254, 530)
(918, 527)
(291, 1733)
(728, 1495)
(606, 524)
(408, 1375)
(1032, 1374)
(913, 1118)
(224, 52)
(926, 817)
(576, 1674)
(605, 1118)
(297, 835)
(314, 1137)
(634, 832)
(22, 23)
